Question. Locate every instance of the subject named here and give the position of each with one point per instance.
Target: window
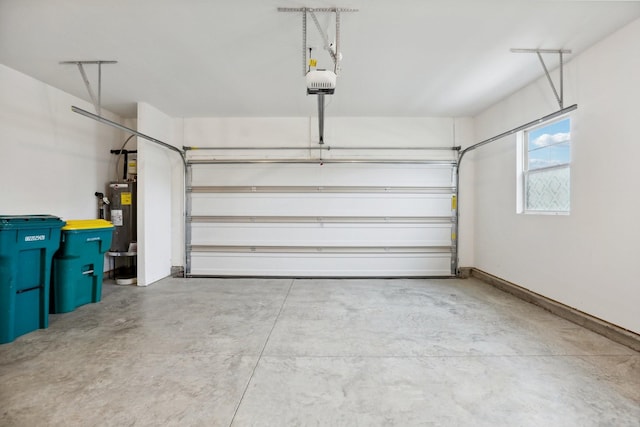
(544, 158)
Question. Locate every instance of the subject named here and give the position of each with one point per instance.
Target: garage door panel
(321, 265)
(392, 205)
(326, 175)
(294, 234)
(308, 220)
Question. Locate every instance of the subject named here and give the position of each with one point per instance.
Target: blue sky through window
(549, 145)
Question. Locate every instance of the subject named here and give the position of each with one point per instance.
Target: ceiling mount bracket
(324, 83)
(97, 101)
(325, 38)
(560, 52)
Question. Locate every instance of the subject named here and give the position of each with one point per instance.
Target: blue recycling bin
(78, 265)
(27, 246)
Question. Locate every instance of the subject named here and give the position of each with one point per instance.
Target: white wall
(159, 177)
(303, 132)
(585, 260)
(52, 160)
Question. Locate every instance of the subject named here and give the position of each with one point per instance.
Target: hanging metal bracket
(97, 101)
(335, 56)
(560, 52)
(333, 51)
(325, 39)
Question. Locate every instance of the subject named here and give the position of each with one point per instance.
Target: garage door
(320, 220)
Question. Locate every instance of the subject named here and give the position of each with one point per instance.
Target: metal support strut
(325, 38)
(304, 42)
(97, 101)
(560, 52)
(321, 117)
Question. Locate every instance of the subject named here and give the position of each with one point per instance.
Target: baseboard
(177, 271)
(464, 272)
(599, 326)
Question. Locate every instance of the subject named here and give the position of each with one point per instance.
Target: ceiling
(206, 58)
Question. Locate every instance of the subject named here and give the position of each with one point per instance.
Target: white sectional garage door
(313, 220)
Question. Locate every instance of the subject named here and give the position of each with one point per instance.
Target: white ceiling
(199, 58)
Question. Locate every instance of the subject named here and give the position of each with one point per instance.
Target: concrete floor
(282, 352)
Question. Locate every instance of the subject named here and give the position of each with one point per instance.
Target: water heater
(123, 215)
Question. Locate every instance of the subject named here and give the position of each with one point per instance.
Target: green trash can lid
(9, 221)
(86, 224)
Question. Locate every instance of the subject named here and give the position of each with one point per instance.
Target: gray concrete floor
(282, 352)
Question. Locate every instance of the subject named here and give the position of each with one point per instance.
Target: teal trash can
(78, 265)
(27, 246)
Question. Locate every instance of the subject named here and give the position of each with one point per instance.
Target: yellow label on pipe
(313, 62)
(454, 203)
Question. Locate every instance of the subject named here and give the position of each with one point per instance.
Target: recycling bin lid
(20, 221)
(86, 224)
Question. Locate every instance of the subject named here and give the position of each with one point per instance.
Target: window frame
(523, 171)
